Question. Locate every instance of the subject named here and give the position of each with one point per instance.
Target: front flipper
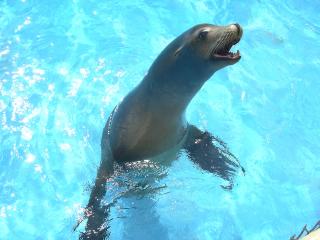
(97, 212)
(211, 154)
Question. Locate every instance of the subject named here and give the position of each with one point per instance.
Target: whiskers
(224, 40)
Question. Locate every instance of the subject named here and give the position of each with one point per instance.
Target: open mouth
(224, 52)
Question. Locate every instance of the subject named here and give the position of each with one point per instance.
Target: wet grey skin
(151, 118)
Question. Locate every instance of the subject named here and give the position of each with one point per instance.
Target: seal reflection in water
(151, 118)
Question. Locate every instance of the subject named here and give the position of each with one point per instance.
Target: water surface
(64, 65)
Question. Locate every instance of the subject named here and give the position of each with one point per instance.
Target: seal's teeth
(238, 52)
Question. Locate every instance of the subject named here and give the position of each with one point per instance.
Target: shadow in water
(142, 220)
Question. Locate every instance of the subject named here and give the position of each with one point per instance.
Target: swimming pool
(64, 65)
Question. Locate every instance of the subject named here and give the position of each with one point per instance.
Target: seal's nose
(238, 28)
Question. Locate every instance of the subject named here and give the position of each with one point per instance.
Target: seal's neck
(173, 91)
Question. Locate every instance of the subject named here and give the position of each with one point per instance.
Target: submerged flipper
(211, 154)
(97, 212)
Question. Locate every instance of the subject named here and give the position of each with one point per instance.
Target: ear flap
(177, 52)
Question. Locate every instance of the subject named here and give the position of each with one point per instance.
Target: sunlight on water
(64, 65)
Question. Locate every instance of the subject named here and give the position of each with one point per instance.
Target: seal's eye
(202, 35)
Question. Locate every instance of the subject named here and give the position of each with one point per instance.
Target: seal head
(203, 50)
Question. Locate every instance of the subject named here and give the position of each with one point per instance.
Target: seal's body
(151, 118)
(143, 126)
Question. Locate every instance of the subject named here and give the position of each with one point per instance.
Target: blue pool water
(64, 65)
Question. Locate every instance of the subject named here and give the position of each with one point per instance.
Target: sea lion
(151, 118)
